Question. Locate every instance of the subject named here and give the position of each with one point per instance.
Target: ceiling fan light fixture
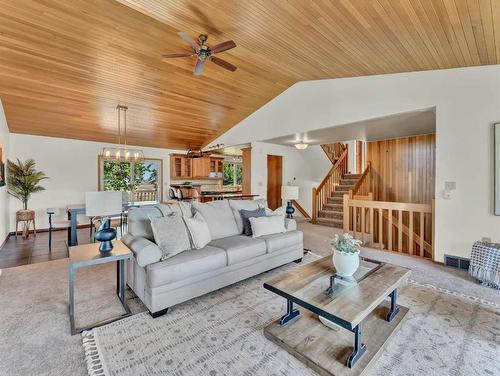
(301, 145)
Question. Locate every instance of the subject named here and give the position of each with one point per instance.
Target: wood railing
(328, 185)
(144, 195)
(334, 151)
(301, 209)
(394, 226)
(363, 187)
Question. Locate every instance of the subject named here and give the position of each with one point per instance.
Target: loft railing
(363, 187)
(328, 185)
(394, 226)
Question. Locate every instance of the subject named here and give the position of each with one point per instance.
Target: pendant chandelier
(122, 152)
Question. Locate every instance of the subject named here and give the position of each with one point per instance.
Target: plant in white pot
(345, 254)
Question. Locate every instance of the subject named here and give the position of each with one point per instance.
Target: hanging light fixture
(122, 152)
(301, 145)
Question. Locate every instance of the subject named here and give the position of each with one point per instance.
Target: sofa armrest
(145, 251)
(290, 224)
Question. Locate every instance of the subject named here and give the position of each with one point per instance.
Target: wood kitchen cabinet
(206, 167)
(180, 167)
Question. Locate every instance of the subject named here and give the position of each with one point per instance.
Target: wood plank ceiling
(64, 65)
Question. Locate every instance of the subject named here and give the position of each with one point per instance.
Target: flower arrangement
(346, 244)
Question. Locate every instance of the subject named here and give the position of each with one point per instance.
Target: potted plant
(345, 254)
(22, 181)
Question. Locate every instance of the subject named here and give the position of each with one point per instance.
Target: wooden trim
(300, 209)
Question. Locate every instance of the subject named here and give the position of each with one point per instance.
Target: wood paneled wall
(403, 168)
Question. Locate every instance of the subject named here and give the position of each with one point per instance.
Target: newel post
(346, 213)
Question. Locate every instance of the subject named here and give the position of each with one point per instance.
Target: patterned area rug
(222, 334)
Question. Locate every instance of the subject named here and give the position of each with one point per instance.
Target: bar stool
(55, 224)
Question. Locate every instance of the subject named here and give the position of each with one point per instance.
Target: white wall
(4, 197)
(308, 167)
(72, 166)
(467, 102)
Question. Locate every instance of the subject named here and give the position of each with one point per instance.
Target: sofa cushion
(240, 248)
(219, 217)
(273, 224)
(185, 265)
(198, 229)
(276, 242)
(139, 220)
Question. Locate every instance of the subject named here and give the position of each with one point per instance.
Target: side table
(85, 255)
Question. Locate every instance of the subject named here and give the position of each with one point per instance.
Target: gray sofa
(224, 261)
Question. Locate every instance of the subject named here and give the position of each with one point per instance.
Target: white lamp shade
(289, 192)
(101, 204)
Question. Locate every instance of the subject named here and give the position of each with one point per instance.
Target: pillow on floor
(198, 229)
(171, 235)
(246, 215)
(273, 224)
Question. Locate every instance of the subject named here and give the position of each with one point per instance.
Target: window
(233, 173)
(142, 180)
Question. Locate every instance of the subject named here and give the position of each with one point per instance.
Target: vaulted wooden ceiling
(65, 65)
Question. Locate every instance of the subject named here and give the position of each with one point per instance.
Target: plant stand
(27, 217)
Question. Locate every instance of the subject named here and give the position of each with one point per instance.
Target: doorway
(274, 180)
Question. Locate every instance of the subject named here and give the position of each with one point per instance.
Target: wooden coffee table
(349, 303)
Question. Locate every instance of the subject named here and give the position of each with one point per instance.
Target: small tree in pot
(22, 181)
(345, 254)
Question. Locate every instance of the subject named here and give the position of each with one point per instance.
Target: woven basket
(25, 215)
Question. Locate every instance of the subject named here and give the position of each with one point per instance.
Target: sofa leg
(158, 313)
(298, 260)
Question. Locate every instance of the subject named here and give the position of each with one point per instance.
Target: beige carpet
(222, 334)
(34, 326)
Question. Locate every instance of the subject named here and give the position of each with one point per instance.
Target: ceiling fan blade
(179, 54)
(223, 63)
(186, 38)
(199, 67)
(224, 46)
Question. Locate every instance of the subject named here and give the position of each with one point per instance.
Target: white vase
(346, 264)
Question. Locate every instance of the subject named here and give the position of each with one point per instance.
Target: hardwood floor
(21, 251)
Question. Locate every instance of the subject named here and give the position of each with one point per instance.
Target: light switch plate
(450, 185)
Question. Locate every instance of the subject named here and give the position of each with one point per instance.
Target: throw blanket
(485, 264)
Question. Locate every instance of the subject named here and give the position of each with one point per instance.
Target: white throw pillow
(170, 234)
(273, 224)
(237, 205)
(198, 229)
(219, 217)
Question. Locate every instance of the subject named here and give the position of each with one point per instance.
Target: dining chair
(56, 221)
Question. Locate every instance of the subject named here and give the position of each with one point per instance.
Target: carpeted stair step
(331, 222)
(335, 207)
(336, 200)
(330, 214)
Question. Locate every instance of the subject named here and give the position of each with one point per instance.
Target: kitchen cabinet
(208, 168)
(180, 167)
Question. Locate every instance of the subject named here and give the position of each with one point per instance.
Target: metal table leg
(359, 347)
(290, 313)
(72, 299)
(394, 307)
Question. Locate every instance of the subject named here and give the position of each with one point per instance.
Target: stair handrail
(327, 186)
(367, 173)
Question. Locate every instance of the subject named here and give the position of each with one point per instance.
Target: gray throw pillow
(246, 215)
(171, 235)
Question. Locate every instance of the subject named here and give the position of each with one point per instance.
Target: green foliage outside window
(230, 169)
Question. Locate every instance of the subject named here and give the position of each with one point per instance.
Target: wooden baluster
(363, 224)
(346, 213)
(314, 206)
(380, 228)
(410, 235)
(389, 229)
(400, 231)
(355, 220)
(372, 226)
(422, 234)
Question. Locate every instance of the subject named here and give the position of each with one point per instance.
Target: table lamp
(289, 192)
(104, 204)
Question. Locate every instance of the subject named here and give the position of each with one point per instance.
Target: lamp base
(105, 234)
(289, 210)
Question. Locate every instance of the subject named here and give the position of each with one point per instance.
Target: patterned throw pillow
(171, 235)
(246, 215)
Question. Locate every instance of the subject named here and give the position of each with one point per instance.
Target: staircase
(332, 213)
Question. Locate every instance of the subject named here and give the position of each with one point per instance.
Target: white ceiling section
(381, 128)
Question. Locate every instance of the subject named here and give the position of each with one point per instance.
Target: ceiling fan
(204, 52)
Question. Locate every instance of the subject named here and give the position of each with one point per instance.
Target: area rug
(222, 334)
